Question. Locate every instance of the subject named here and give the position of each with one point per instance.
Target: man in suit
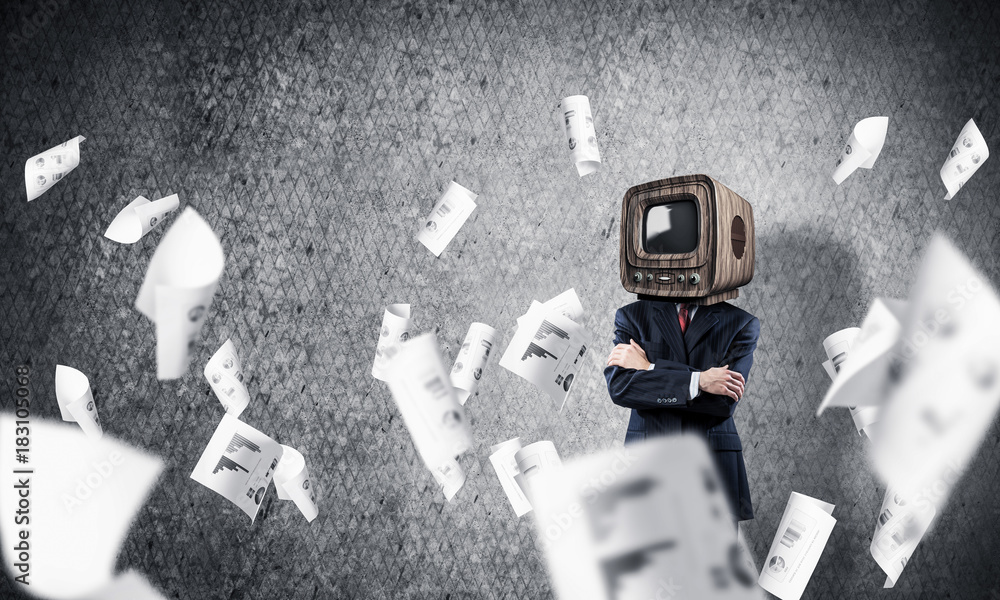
(683, 368)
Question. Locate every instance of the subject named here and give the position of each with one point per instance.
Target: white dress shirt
(695, 375)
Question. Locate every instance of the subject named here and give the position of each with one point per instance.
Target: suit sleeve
(667, 386)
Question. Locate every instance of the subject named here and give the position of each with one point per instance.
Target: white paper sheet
(224, 373)
(566, 304)
(647, 521)
(448, 216)
(291, 481)
(84, 493)
(422, 391)
(450, 476)
(504, 460)
(863, 147)
(578, 123)
(471, 360)
(898, 529)
(76, 401)
(966, 156)
(945, 388)
(802, 534)
(42, 171)
(129, 586)
(534, 461)
(139, 218)
(395, 330)
(177, 291)
(547, 350)
(238, 464)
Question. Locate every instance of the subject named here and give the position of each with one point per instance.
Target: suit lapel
(704, 320)
(666, 317)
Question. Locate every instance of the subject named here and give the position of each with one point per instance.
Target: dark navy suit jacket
(661, 403)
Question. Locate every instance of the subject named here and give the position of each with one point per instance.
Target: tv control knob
(649, 278)
(695, 279)
(680, 279)
(638, 276)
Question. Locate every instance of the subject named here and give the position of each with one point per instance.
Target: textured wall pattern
(314, 137)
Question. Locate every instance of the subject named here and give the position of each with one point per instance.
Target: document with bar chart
(548, 351)
(802, 534)
(238, 464)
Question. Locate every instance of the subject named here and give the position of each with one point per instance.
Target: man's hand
(722, 382)
(628, 356)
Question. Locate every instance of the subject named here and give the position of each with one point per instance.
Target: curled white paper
(578, 123)
(76, 401)
(42, 171)
(394, 331)
(504, 460)
(966, 156)
(450, 476)
(224, 373)
(802, 534)
(177, 291)
(139, 218)
(291, 481)
(448, 216)
(863, 147)
(471, 360)
(533, 461)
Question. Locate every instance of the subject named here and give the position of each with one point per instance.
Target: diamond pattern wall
(315, 136)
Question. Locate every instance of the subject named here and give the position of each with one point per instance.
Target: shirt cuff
(650, 367)
(695, 380)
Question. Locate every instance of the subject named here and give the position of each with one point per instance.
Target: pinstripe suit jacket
(661, 403)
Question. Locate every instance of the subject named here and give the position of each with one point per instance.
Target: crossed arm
(632, 386)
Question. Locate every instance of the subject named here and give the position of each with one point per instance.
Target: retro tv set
(687, 239)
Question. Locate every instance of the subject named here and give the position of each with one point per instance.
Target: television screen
(670, 228)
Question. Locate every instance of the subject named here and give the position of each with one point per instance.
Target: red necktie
(682, 318)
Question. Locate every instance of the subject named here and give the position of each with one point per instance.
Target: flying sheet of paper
(448, 216)
(505, 464)
(863, 147)
(862, 375)
(547, 351)
(238, 464)
(84, 494)
(450, 476)
(42, 171)
(656, 526)
(567, 304)
(224, 373)
(966, 156)
(577, 121)
(471, 360)
(76, 401)
(139, 218)
(534, 461)
(838, 346)
(802, 534)
(945, 388)
(901, 525)
(395, 330)
(291, 480)
(177, 291)
(129, 586)
(422, 391)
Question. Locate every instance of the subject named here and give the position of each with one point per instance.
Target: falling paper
(648, 521)
(901, 525)
(533, 461)
(503, 457)
(177, 292)
(291, 480)
(802, 534)
(574, 114)
(450, 476)
(968, 154)
(862, 148)
(238, 464)
(225, 374)
(566, 304)
(838, 347)
(945, 383)
(42, 171)
(471, 360)
(84, 493)
(76, 401)
(448, 216)
(395, 330)
(139, 218)
(547, 350)
(130, 586)
(422, 391)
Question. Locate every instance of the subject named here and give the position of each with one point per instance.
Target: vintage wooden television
(687, 239)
